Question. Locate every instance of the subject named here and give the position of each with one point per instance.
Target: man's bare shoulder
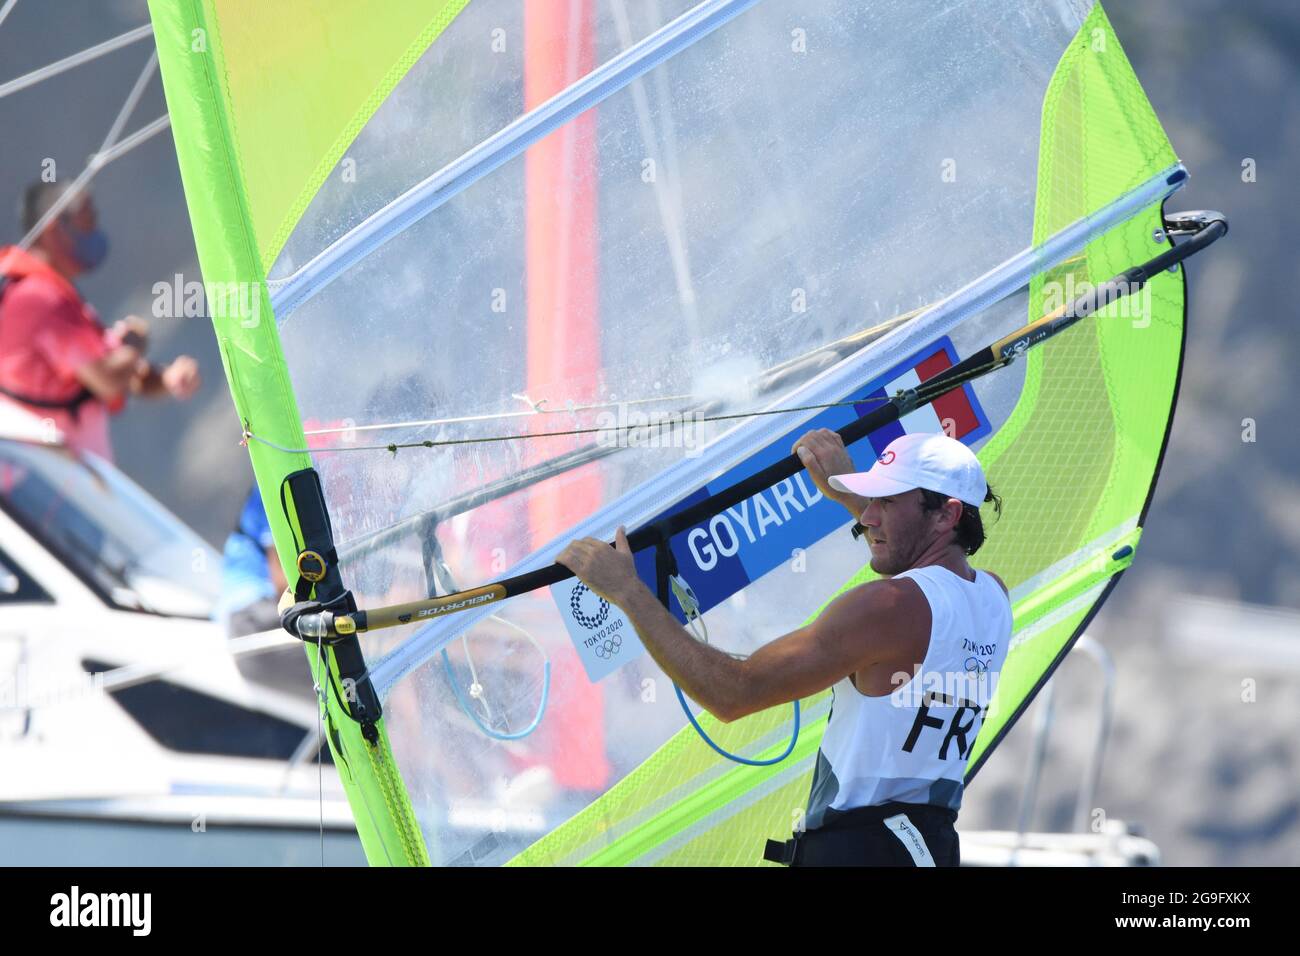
(889, 613)
(886, 595)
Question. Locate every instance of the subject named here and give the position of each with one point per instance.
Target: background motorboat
(127, 731)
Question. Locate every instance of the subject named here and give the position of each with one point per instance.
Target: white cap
(921, 460)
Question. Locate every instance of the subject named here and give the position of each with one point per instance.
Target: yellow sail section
(330, 66)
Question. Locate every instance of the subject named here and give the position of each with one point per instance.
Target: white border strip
(1048, 621)
(1088, 552)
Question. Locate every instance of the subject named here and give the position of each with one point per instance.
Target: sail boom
(682, 477)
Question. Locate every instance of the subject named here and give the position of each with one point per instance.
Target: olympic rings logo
(610, 647)
(591, 622)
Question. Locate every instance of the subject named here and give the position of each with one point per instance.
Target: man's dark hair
(969, 533)
(37, 200)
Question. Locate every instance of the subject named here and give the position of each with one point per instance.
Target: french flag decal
(957, 414)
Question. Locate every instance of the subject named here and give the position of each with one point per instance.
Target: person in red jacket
(56, 359)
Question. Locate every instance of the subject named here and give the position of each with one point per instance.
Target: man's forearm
(710, 677)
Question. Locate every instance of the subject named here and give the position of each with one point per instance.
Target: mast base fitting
(313, 621)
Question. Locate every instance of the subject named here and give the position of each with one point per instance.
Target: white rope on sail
(535, 408)
(677, 419)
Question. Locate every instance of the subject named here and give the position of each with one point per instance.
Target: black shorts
(891, 834)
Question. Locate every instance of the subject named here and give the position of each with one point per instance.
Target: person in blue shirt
(251, 578)
(251, 584)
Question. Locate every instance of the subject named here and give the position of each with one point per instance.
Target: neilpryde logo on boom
(102, 909)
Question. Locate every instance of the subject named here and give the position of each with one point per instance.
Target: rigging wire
(109, 150)
(322, 704)
(394, 447)
(535, 409)
(767, 380)
(137, 138)
(75, 60)
(770, 378)
(5, 10)
(132, 101)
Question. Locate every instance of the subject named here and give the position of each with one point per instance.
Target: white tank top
(911, 745)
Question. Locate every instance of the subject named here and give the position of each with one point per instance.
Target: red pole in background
(563, 345)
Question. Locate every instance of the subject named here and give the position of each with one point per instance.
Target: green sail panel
(249, 163)
(1086, 440)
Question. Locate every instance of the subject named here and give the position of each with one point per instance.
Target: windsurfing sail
(488, 276)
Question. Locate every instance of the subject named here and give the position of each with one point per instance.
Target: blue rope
(690, 606)
(469, 710)
(733, 757)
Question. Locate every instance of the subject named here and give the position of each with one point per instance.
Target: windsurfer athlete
(912, 657)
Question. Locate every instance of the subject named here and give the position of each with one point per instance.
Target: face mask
(88, 248)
